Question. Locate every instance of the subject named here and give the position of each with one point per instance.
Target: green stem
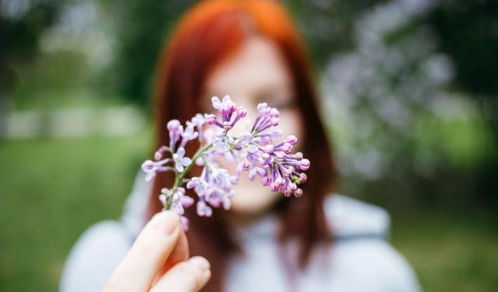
(179, 177)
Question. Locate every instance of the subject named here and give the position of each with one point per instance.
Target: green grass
(52, 190)
(451, 251)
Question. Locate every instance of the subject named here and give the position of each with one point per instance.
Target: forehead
(257, 64)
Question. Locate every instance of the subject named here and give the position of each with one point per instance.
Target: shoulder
(361, 253)
(373, 265)
(349, 217)
(94, 256)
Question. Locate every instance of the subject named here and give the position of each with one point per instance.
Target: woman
(321, 241)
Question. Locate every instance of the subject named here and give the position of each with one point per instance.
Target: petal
(186, 161)
(192, 184)
(184, 222)
(179, 167)
(203, 209)
(148, 166)
(216, 102)
(251, 148)
(226, 203)
(187, 201)
(252, 174)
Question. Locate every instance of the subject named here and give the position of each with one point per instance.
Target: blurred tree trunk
(487, 188)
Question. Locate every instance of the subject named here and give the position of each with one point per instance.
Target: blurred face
(256, 73)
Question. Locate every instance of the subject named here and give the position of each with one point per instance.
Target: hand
(159, 261)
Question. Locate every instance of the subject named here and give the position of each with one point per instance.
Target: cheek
(291, 123)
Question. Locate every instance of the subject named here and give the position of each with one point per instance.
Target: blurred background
(410, 93)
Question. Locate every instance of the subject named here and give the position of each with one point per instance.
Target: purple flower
(229, 112)
(222, 143)
(175, 129)
(254, 151)
(256, 170)
(184, 222)
(180, 161)
(198, 121)
(213, 187)
(160, 152)
(278, 167)
(203, 209)
(188, 134)
(247, 146)
(152, 167)
(221, 178)
(285, 172)
(179, 201)
(267, 117)
(199, 185)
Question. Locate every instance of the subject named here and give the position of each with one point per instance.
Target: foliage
(22, 24)
(142, 29)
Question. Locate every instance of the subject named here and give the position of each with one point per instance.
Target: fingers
(179, 254)
(147, 255)
(187, 276)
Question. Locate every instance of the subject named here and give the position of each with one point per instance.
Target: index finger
(151, 249)
(179, 254)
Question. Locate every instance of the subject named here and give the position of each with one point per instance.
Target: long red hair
(207, 34)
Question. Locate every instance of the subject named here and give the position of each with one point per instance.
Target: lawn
(51, 190)
(450, 250)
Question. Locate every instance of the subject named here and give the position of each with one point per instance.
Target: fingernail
(201, 263)
(169, 221)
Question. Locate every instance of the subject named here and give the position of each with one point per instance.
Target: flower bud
(173, 125)
(304, 164)
(162, 198)
(291, 139)
(211, 119)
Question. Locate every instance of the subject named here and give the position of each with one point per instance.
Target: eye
(275, 97)
(282, 102)
(285, 104)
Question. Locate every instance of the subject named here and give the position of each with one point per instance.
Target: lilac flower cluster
(277, 166)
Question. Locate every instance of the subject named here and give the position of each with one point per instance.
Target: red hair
(207, 34)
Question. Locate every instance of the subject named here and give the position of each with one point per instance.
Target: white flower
(180, 161)
(198, 120)
(226, 103)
